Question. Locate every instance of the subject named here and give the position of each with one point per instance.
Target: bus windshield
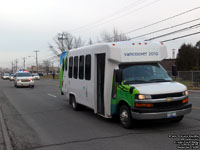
(144, 73)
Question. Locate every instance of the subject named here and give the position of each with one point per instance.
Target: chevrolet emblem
(168, 99)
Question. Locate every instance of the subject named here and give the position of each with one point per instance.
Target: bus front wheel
(125, 117)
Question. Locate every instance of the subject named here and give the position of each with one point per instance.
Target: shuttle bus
(123, 79)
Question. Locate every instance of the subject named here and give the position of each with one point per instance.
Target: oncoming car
(5, 76)
(23, 78)
(35, 76)
(11, 78)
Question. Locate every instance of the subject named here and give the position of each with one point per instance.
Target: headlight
(186, 93)
(142, 97)
(18, 80)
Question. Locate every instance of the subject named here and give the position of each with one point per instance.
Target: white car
(5, 76)
(23, 78)
(36, 76)
(11, 77)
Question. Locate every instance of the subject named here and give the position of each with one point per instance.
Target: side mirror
(119, 76)
(174, 70)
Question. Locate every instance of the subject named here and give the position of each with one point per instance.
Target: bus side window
(81, 67)
(70, 67)
(66, 64)
(87, 67)
(75, 67)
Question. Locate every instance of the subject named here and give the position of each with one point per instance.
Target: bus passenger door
(100, 83)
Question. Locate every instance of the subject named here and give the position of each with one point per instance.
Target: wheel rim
(124, 117)
(73, 104)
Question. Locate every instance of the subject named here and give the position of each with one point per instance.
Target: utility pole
(12, 67)
(36, 59)
(24, 62)
(16, 62)
(173, 53)
(61, 38)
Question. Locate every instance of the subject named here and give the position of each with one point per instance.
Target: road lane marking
(5, 132)
(196, 107)
(52, 95)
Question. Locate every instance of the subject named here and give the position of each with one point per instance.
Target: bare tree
(114, 37)
(46, 64)
(65, 41)
(106, 37)
(198, 45)
(78, 42)
(90, 42)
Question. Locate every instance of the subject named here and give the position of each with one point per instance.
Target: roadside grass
(50, 77)
(190, 86)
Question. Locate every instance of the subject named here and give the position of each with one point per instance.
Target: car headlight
(186, 93)
(142, 96)
(18, 80)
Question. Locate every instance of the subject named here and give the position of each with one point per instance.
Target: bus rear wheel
(125, 117)
(75, 105)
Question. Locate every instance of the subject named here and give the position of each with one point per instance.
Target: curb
(6, 137)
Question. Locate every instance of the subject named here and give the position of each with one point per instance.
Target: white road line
(52, 95)
(196, 107)
(5, 132)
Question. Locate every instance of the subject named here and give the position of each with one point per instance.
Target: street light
(173, 53)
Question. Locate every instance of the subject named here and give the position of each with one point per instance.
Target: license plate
(171, 114)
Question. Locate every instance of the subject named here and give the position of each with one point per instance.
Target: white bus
(123, 79)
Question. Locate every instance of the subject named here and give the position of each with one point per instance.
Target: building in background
(168, 63)
(41, 69)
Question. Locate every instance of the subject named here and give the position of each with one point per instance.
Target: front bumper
(147, 114)
(25, 83)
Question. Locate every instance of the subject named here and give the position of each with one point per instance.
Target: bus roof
(126, 51)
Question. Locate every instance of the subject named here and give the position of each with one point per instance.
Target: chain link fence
(190, 77)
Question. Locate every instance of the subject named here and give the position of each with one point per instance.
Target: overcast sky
(28, 25)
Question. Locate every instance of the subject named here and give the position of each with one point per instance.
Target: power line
(174, 32)
(135, 10)
(127, 7)
(185, 12)
(181, 37)
(117, 17)
(164, 29)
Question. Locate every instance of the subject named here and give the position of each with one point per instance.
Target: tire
(75, 106)
(177, 119)
(125, 117)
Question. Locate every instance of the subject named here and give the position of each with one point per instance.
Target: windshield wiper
(160, 80)
(136, 81)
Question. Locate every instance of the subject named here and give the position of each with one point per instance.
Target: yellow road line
(196, 107)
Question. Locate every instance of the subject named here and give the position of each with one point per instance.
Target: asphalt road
(41, 119)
